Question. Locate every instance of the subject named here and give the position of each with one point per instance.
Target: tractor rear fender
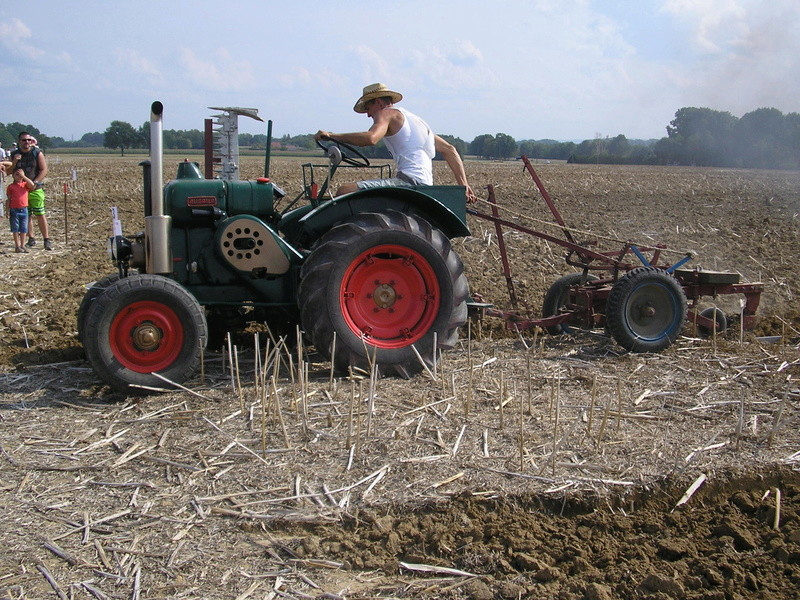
(444, 207)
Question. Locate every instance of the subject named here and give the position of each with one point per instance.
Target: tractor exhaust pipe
(157, 226)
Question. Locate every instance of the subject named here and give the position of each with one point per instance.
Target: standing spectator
(18, 193)
(31, 159)
(3, 165)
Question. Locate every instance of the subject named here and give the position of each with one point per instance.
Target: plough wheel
(386, 285)
(715, 314)
(645, 310)
(559, 296)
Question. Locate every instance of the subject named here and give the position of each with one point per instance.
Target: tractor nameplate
(201, 201)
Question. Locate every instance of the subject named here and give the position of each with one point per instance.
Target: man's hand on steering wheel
(356, 159)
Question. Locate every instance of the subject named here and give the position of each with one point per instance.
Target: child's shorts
(19, 220)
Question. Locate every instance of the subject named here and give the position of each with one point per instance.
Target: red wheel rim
(390, 295)
(146, 336)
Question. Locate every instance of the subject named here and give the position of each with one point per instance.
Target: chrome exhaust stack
(157, 226)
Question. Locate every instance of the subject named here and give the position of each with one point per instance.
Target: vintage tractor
(370, 277)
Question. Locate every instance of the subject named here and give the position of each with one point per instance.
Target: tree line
(764, 138)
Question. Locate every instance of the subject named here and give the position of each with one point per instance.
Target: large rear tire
(144, 325)
(646, 310)
(383, 282)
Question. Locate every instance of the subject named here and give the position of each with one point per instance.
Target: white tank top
(413, 148)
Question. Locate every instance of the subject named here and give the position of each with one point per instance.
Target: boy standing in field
(17, 195)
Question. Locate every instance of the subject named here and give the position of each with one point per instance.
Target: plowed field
(524, 467)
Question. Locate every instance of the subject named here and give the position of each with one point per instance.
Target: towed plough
(639, 297)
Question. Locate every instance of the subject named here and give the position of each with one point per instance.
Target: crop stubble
(530, 467)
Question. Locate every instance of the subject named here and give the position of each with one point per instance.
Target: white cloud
(221, 73)
(762, 67)
(750, 54)
(133, 62)
(372, 65)
(715, 23)
(437, 68)
(18, 39)
(465, 54)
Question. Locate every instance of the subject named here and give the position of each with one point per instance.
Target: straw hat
(376, 90)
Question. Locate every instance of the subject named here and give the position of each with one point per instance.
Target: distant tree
(182, 139)
(619, 146)
(459, 144)
(259, 140)
(88, 140)
(121, 135)
(791, 140)
(144, 133)
(587, 149)
(196, 138)
(505, 146)
(305, 141)
(547, 149)
(181, 142)
(531, 148)
(501, 145)
(91, 140)
(703, 136)
(598, 147)
(14, 129)
(759, 134)
(6, 137)
(480, 145)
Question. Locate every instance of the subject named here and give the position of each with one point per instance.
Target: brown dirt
(532, 467)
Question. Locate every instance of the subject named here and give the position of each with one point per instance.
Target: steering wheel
(358, 160)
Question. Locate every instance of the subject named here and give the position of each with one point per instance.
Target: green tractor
(371, 276)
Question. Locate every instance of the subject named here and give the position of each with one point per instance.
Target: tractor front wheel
(646, 310)
(144, 325)
(384, 284)
(93, 291)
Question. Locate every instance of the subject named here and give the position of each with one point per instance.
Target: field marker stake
(522, 432)
(468, 396)
(66, 220)
(502, 399)
(591, 405)
(333, 362)
(238, 380)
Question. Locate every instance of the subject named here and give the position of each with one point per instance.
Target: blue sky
(529, 68)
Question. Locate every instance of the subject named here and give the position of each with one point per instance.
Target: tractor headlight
(119, 248)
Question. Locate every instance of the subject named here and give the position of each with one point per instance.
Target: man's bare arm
(455, 163)
(361, 138)
(42, 167)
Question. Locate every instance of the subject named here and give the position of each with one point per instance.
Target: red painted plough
(640, 298)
